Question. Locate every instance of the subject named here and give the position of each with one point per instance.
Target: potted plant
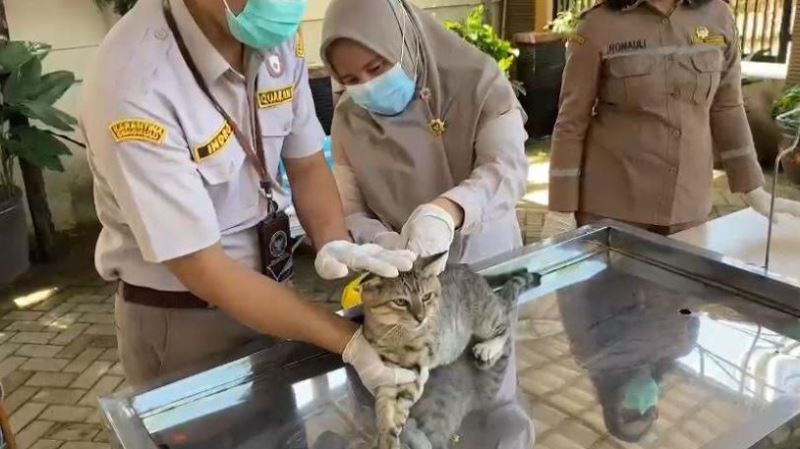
(788, 101)
(483, 36)
(540, 67)
(27, 96)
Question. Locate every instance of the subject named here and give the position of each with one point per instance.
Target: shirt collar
(638, 3)
(208, 60)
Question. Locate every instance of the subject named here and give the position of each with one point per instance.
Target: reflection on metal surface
(630, 342)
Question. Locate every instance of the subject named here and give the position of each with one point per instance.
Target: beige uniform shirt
(646, 100)
(170, 179)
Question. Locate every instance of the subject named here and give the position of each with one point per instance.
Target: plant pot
(791, 167)
(14, 259)
(542, 57)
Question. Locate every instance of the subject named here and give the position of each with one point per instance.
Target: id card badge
(276, 247)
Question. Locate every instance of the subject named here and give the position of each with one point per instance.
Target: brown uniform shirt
(646, 100)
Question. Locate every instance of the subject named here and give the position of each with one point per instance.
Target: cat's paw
(487, 353)
(390, 440)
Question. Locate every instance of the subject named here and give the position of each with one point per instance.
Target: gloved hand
(759, 199)
(337, 258)
(429, 230)
(369, 366)
(390, 240)
(558, 222)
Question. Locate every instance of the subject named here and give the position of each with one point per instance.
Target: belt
(146, 296)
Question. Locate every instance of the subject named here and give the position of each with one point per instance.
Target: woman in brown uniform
(651, 91)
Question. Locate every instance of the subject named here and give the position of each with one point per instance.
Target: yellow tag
(576, 39)
(272, 98)
(299, 46)
(701, 33)
(702, 36)
(215, 144)
(137, 129)
(351, 296)
(437, 127)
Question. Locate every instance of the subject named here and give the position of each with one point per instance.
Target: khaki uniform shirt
(646, 100)
(170, 179)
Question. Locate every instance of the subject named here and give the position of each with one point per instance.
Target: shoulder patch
(216, 143)
(299, 45)
(576, 38)
(138, 129)
(272, 98)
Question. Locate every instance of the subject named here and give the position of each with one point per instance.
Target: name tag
(619, 47)
(272, 98)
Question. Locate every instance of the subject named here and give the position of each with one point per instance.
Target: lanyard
(254, 156)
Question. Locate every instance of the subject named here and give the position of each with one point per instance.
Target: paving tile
(64, 322)
(75, 347)
(95, 308)
(46, 444)
(117, 369)
(84, 445)
(39, 350)
(26, 414)
(87, 299)
(48, 304)
(59, 396)
(91, 375)
(110, 355)
(39, 338)
(26, 326)
(14, 380)
(66, 413)
(101, 437)
(80, 363)
(19, 397)
(104, 341)
(31, 433)
(57, 312)
(54, 380)
(22, 315)
(97, 318)
(66, 337)
(74, 432)
(101, 329)
(103, 387)
(95, 417)
(6, 349)
(10, 364)
(5, 336)
(42, 364)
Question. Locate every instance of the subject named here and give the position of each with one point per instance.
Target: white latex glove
(371, 369)
(429, 230)
(759, 199)
(337, 258)
(557, 223)
(390, 240)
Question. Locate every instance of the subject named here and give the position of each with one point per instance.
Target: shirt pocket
(276, 125)
(628, 80)
(231, 186)
(707, 67)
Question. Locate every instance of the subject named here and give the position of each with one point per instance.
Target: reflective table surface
(630, 341)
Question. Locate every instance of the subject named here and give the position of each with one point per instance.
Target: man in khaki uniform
(651, 89)
(172, 114)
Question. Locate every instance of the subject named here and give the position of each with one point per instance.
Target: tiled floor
(57, 343)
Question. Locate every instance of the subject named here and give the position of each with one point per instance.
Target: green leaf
(39, 49)
(48, 115)
(52, 87)
(39, 147)
(23, 80)
(13, 56)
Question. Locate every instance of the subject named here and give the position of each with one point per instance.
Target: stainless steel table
(631, 341)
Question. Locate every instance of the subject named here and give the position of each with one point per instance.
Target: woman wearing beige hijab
(428, 139)
(428, 143)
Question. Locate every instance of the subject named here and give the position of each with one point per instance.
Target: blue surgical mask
(387, 94)
(641, 393)
(264, 24)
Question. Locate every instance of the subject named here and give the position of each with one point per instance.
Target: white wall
(76, 27)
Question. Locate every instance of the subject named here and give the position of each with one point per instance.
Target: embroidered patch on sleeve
(299, 46)
(702, 36)
(138, 129)
(216, 143)
(272, 98)
(576, 39)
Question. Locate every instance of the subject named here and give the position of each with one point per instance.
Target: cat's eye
(400, 302)
(427, 297)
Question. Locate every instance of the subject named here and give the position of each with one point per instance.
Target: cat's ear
(370, 280)
(431, 265)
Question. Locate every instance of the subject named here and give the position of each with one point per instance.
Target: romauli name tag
(215, 144)
(272, 98)
(619, 47)
(138, 129)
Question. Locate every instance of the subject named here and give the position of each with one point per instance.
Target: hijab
(403, 161)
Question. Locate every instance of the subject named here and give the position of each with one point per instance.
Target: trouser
(157, 345)
(584, 219)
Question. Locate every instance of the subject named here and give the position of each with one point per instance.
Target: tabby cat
(420, 321)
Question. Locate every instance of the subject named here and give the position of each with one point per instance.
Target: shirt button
(664, 21)
(676, 132)
(161, 34)
(673, 94)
